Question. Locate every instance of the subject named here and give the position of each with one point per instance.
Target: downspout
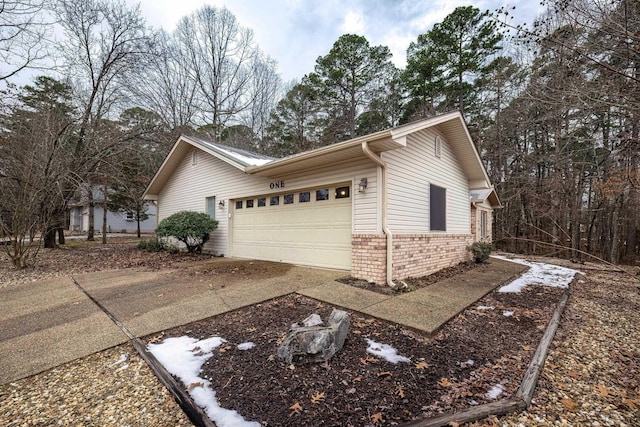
(385, 229)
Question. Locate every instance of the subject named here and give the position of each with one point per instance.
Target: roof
(451, 125)
(237, 155)
(485, 194)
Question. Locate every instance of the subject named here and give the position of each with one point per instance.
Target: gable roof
(484, 194)
(451, 125)
(236, 157)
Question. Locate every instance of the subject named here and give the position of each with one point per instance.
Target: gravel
(592, 374)
(114, 387)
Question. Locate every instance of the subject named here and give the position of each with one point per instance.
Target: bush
(191, 228)
(480, 251)
(157, 245)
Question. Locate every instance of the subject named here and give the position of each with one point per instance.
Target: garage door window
(288, 199)
(239, 204)
(322, 194)
(250, 203)
(262, 201)
(304, 197)
(274, 201)
(342, 192)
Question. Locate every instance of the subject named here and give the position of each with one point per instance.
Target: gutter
(385, 229)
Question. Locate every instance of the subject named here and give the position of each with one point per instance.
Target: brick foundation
(414, 255)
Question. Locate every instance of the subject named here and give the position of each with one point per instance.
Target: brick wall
(369, 257)
(414, 255)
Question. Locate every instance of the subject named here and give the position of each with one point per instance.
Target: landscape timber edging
(524, 394)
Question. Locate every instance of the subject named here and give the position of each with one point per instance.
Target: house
(117, 222)
(397, 203)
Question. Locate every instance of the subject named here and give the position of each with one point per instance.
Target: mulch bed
(413, 283)
(476, 351)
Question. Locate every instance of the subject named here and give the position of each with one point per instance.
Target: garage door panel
(316, 233)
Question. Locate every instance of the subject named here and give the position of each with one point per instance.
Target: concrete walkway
(48, 323)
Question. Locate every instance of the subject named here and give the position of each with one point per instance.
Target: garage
(305, 227)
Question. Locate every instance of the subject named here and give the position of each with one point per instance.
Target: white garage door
(309, 227)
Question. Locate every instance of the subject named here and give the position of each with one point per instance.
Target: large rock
(311, 341)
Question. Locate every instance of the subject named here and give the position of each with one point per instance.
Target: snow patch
(123, 367)
(495, 391)
(183, 357)
(507, 313)
(485, 307)
(539, 274)
(122, 359)
(246, 346)
(385, 351)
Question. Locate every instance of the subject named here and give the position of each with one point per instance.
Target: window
(262, 201)
(274, 201)
(194, 157)
(130, 216)
(437, 208)
(438, 147)
(322, 194)
(288, 199)
(304, 197)
(483, 224)
(249, 203)
(239, 204)
(342, 192)
(211, 207)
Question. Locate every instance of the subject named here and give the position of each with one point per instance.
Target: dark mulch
(477, 350)
(413, 282)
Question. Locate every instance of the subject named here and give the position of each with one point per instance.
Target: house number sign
(276, 184)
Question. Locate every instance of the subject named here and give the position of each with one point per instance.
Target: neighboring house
(117, 222)
(393, 204)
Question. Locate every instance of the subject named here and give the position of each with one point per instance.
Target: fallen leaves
(317, 397)
(377, 418)
(194, 385)
(384, 374)
(295, 409)
(422, 365)
(399, 391)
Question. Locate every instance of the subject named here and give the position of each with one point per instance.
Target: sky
(296, 32)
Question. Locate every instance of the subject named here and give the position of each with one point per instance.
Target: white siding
(190, 185)
(410, 171)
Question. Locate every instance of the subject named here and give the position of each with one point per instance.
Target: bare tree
(34, 157)
(106, 42)
(219, 55)
(22, 35)
(166, 87)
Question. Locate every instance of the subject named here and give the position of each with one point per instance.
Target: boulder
(310, 341)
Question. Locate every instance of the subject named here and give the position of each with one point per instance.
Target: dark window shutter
(437, 208)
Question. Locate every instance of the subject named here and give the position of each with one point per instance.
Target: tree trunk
(50, 238)
(91, 228)
(61, 239)
(104, 215)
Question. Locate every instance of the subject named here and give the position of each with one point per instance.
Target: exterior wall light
(363, 185)
(221, 203)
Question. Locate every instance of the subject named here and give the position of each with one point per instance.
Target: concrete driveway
(50, 322)
(45, 324)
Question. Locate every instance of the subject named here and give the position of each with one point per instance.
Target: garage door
(309, 227)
